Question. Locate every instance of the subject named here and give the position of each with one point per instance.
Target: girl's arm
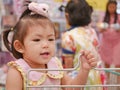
(87, 62)
(80, 79)
(14, 80)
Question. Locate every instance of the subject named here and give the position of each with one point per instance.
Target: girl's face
(39, 45)
(112, 8)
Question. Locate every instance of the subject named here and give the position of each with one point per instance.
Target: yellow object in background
(98, 4)
(58, 0)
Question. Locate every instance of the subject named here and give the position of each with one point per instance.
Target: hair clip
(61, 8)
(41, 8)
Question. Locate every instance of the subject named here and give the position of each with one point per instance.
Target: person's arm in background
(68, 50)
(118, 30)
(68, 61)
(101, 26)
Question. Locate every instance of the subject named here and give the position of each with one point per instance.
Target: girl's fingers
(91, 60)
(86, 52)
(90, 55)
(93, 64)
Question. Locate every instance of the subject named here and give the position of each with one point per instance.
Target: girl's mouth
(45, 54)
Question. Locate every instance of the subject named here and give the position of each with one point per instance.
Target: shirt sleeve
(68, 47)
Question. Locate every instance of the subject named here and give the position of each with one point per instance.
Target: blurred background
(10, 11)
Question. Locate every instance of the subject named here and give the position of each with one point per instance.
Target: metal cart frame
(110, 70)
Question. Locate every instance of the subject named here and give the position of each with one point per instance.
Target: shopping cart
(77, 87)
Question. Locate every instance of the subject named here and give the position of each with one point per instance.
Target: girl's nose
(45, 44)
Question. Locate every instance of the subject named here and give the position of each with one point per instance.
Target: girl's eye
(51, 39)
(36, 40)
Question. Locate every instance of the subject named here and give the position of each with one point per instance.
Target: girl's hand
(88, 60)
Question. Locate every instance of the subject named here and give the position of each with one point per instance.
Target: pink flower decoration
(41, 8)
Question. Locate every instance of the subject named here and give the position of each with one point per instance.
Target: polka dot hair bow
(39, 8)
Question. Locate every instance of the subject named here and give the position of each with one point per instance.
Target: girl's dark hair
(79, 12)
(107, 14)
(20, 29)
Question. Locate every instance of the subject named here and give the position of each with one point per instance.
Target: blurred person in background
(109, 29)
(80, 37)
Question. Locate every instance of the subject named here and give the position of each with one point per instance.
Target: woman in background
(110, 37)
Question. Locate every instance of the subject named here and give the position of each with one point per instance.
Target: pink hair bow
(41, 8)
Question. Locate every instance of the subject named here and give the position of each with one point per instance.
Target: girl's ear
(18, 46)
